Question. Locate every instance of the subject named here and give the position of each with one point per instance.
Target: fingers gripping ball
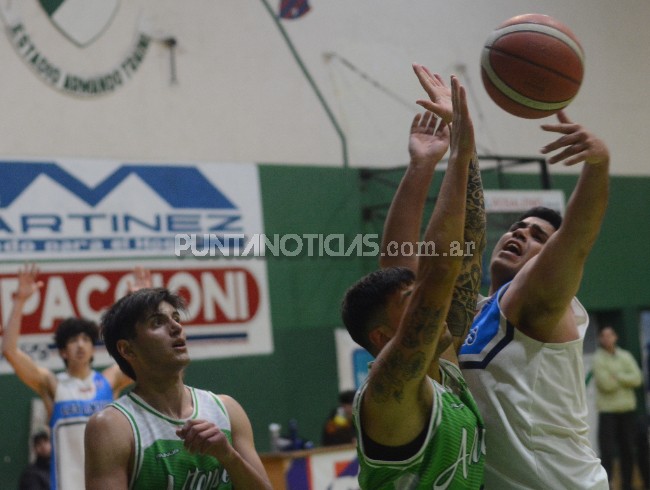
(532, 66)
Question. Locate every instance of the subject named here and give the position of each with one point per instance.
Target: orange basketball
(532, 66)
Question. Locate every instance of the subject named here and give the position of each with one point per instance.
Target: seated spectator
(37, 475)
(338, 428)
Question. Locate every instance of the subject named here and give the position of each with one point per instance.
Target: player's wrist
(424, 160)
(229, 457)
(19, 298)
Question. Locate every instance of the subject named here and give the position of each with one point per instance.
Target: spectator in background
(338, 428)
(617, 375)
(37, 475)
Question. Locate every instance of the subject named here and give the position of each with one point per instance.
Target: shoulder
(238, 419)
(109, 424)
(109, 447)
(626, 353)
(231, 405)
(109, 432)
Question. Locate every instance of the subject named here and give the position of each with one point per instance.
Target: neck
(169, 398)
(495, 284)
(498, 277)
(78, 371)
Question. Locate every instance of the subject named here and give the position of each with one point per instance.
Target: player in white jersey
(165, 434)
(70, 397)
(522, 359)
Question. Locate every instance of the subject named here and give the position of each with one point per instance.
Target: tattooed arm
(405, 214)
(404, 220)
(463, 304)
(397, 401)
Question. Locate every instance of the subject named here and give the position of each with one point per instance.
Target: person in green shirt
(418, 426)
(163, 433)
(617, 375)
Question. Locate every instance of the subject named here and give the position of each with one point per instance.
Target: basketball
(532, 66)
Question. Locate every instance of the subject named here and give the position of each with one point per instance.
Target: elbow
(7, 353)
(387, 261)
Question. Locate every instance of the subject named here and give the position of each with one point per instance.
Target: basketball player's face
(160, 338)
(523, 241)
(78, 349)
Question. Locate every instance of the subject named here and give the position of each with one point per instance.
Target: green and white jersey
(453, 453)
(161, 460)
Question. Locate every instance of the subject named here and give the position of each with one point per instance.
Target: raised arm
(117, 379)
(404, 220)
(141, 279)
(39, 379)
(468, 284)
(410, 204)
(398, 397)
(240, 459)
(538, 299)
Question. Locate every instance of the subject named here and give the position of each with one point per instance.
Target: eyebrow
(525, 224)
(160, 313)
(539, 229)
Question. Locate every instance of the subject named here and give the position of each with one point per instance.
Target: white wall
(241, 97)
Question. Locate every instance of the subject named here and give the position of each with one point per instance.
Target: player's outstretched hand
(576, 145)
(27, 282)
(462, 130)
(427, 145)
(440, 95)
(142, 279)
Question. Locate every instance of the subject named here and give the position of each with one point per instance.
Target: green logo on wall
(81, 21)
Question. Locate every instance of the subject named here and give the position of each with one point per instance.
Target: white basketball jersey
(532, 397)
(75, 401)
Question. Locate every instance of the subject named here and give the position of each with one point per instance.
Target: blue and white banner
(88, 223)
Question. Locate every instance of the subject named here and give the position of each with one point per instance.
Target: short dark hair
(346, 397)
(365, 301)
(547, 214)
(120, 320)
(71, 327)
(41, 435)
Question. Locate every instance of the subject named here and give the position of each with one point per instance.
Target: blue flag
(293, 9)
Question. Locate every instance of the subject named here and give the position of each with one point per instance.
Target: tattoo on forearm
(463, 304)
(422, 328)
(475, 220)
(392, 372)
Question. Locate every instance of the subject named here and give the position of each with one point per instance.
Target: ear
(379, 337)
(63, 354)
(125, 349)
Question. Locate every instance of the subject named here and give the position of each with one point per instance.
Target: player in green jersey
(418, 426)
(164, 434)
